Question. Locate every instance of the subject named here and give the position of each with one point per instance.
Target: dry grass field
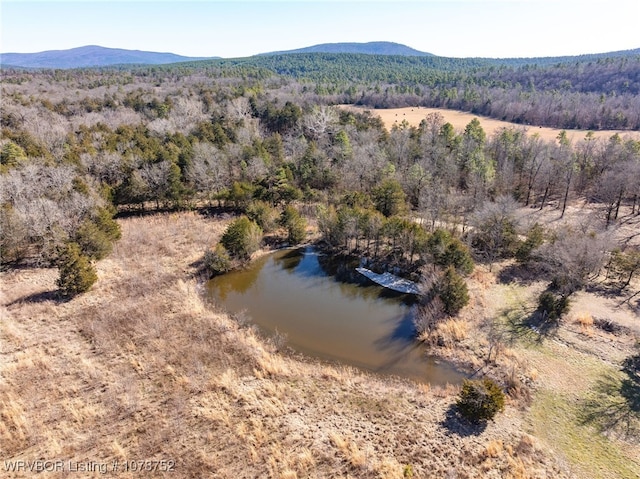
(459, 120)
(140, 368)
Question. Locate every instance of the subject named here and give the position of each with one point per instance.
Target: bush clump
(263, 214)
(96, 235)
(535, 238)
(295, 225)
(480, 400)
(217, 261)
(242, 238)
(449, 251)
(553, 306)
(77, 274)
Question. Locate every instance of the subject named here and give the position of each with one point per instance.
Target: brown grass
(447, 333)
(459, 120)
(494, 448)
(139, 368)
(585, 322)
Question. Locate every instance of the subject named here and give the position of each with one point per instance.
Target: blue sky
(503, 28)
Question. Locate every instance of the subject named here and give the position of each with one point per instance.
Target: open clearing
(139, 368)
(459, 120)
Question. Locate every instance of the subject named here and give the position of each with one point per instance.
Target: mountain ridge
(91, 56)
(368, 48)
(95, 56)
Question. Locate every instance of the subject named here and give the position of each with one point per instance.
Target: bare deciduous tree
(208, 172)
(321, 121)
(573, 257)
(494, 229)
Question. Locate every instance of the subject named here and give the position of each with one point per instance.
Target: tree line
(586, 92)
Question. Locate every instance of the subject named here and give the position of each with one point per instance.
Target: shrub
(263, 214)
(457, 255)
(480, 400)
(242, 238)
(217, 261)
(453, 291)
(494, 234)
(553, 306)
(77, 274)
(105, 222)
(240, 194)
(430, 313)
(93, 242)
(535, 238)
(11, 155)
(295, 224)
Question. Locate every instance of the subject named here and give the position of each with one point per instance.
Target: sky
(229, 29)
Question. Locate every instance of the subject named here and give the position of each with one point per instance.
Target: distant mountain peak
(90, 56)
(368, 48)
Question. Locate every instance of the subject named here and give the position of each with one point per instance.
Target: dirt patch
(459, 120)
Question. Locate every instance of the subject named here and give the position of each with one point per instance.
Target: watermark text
(101, 467)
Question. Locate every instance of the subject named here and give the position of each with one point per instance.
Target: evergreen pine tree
(295, 224)
(77, 274)
(453, 291)
(242, 238)
(480, 400)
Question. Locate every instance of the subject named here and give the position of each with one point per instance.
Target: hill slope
(90, 56)
(370, 48)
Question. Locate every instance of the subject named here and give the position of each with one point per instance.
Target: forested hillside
(89, 56)
(598, 91)
(173, 137)
(369, 48)
(591, 93)
(585, 92)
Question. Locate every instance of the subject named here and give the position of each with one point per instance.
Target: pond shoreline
(319, 305)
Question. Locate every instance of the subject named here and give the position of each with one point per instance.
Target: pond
(326, 310)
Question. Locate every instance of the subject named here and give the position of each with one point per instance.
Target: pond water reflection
(350, 320)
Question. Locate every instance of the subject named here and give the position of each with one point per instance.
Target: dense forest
(79, 146)
(587, 92)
